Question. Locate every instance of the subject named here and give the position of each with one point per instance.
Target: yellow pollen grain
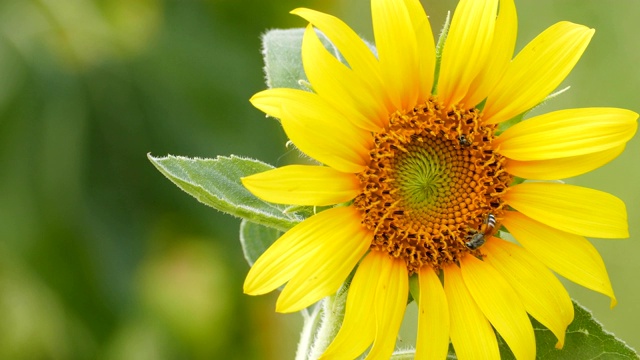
(426, 191)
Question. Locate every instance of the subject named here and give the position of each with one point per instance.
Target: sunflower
(413, 153)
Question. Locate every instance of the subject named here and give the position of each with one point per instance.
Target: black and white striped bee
(463, 141)
(480, 237)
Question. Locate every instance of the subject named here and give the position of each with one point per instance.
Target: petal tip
(285, 307)
(249, 288)
(252, 285)
(588, 33)
(298, 11)
(258, 98)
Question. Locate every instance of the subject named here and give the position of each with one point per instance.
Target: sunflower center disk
(431, 185)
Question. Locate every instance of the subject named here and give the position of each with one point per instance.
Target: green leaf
(281, 50)
(216, 182)
(255, 239)
(585, 339)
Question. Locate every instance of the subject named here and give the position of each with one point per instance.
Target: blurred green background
(102, 257)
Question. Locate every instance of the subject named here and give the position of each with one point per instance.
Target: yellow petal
(504, 41)
(562, 168)
(324, 273)
(501, 305)
(542, 295)
(390, 302)
(567, 133)
(471, 333)
(286, 257)
(358, 328)
(425, 49)
(270, 101)
(569, 255)
(303, 185)
(360, 58)
(330, 145)
(433, 318)
(574, 209)
(397, 51)
(538, 69)
(340, 86)
(316, 128)
(466, 49)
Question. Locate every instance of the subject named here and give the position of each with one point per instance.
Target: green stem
(322, 324)
(311, 321)
(332, 315)
(403, 355)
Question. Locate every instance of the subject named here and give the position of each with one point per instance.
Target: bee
(463, 141)
(480, 237)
